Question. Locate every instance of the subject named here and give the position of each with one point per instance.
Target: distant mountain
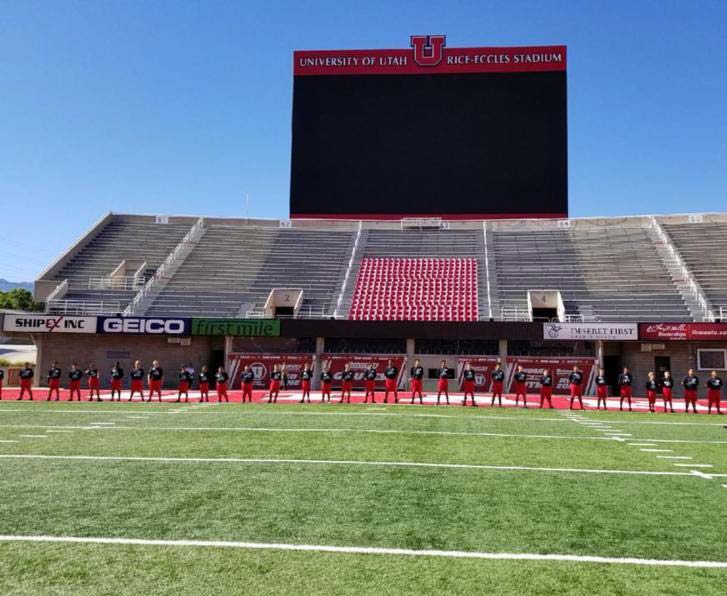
(6, 285)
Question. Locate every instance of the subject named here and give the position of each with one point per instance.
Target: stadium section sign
(23, 323)
(683, 331)
(591, 331)
(237, 327)
(144, 325)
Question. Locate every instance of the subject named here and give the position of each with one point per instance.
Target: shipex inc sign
(591, 331)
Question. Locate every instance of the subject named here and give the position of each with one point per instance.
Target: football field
(166, 498)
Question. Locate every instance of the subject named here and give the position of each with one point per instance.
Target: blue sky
(183, 107)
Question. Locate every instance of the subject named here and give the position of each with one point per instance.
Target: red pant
(204, 388)
(54, 383)
(247, 390)
(690, 395)
(602, 391)
(575, 390)
(416, 385)
(651, 396)
(222, 389)
(137, 385)
(468, 386)
(546, 392)
(496, 387)
(346, 387)
(625, 391)
(326, 388)
(305, 386)
(520, 389)
(183, 386)
(155, 386)
(391, 384)
(443, 386)
(274, 386)
(713, 396)
(93, 383)
(115, 384)
(666, 393)
(370, 386)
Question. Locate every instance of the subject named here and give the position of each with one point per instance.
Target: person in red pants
(94, 385)
(521, 386)
(203, 377)
(601, 389)
(691, 386)
(625, 380)
(326, 379)
(443, 382)
(54, 381)
(26, 381)
(74, 384)
(714, 392)
(117, 377)
(370, 377)
(651, 387)
(137, 381)
(247, 378)
(468, 384)
(276, 378)
(221, 379)
(498, 379)
(391, 374)
(185, 379)
(2, 376)
(347, 384)
(546, 388)
(416, 375)
(575, 384)
(156, 378)
(305, 379)
(667, 384)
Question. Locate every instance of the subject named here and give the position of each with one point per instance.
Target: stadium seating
(703, 248)
(420, 289)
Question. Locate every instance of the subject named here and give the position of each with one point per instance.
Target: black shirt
(546, 381)
(326, 376)
(520, 377)
(185, 376)
(691, 382)
(276, 375)
(137, 374)
(75, 375)
(668, 383)
(2, 374)
(156, 373)
(497, 375)
(247, 377)
(651, 385)
(469, 374)
(444, 373)
(92, 373)
(714, 383)
(391, 372)
(601, 380)
(625, 379)
(26, 373)
(575, 378)
(348, 375)
(203, 378)
(417, 372)
(222, 377)
(306, 374)
(371, 374)
(54, 373)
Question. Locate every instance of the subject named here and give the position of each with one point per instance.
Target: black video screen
(445, 144)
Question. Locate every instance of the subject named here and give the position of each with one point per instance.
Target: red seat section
(401, 289)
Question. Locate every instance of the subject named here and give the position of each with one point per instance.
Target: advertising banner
(533, 366)
(262, 365)
(143, 325)
(360, 363)
(683, 331)
(237, 327)
(27, 323)
(591, 331)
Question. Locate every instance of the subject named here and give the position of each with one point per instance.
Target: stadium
(373, 271)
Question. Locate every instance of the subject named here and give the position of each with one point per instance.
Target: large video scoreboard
(430, 131)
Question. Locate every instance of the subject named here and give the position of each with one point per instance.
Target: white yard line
(33, 436)
(372, 550)
(695, 465)
(673, 457)
(642, 444)
(658, 450)
(335, 462)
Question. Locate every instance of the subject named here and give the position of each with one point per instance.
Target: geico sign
(141, 326)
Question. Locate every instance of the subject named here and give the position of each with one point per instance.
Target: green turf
(349, 505)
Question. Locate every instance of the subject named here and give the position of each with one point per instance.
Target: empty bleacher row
(703, 248)
(419, 289)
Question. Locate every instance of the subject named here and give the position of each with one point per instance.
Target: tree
(19, 299)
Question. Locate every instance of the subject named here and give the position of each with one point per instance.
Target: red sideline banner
(262, 365)
(360, 363)
(429, 54)
(560, 368)
(683, 331)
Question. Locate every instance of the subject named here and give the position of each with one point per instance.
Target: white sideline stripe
(658, 450)
(103, 423)
(33, 436)
(673, 457)
(702, 474)
(340, 462)
(51, 430)
(8, 441)
(642, 444)
(372, 550)
(695, 465)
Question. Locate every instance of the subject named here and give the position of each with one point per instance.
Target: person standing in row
(601, 389)
(117, 376)
(416, 375)
(26, 382)
(204, 384)
(276, 378)
(521, 386)
(370, 377)
(691, 386)
(625, 380)
(2, 377)
(156, 378)
(468, 384)
(54, 381)
(247, 378)
(651, 387)
(546, 389)
(575, 384)
(667, 384)
(306, 376)
(185, 379)
(498, 379)
(326, 379)
(94, 384)
(347, 383)
(137, 381)
(221, 379)
(443, 381)
(391, 374)
(714, 392)
(74, 386)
